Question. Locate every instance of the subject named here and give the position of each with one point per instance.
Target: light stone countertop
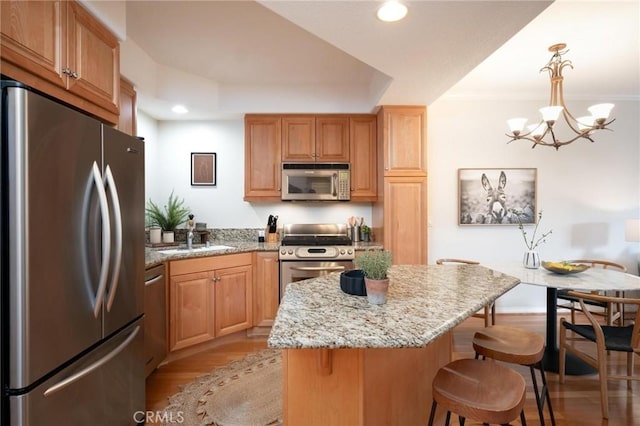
(424, 302)
(153, 256)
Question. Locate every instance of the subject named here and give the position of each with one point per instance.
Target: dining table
(592, 279)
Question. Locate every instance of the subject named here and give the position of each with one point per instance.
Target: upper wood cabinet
(399, 216)
(127, 120)
(59, 48)
(298, 138)
(262, 164)
(362, 151)
(401, 130)
(271, 140)
(332, 138)
(315, 138)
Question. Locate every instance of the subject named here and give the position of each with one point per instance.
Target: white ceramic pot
(531, 259)
(167, 237)
(155, 235)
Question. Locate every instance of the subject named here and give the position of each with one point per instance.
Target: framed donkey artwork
(497, 196)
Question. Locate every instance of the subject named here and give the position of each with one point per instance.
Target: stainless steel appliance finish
(72, 266)
(316, 182)
(155, 308)
(313, 250)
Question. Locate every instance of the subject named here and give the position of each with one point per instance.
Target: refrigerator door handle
(117, 217)
(106, 240)
(85, 371)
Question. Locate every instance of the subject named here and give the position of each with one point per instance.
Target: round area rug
(247, 392)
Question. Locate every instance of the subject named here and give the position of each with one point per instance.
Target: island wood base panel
(361, 386)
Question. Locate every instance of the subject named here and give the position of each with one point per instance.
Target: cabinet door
(362, 148)
(127, 119)
(192, 300)
(401, 131)
(262, 166)
(298, 138)
(32, 34)
(266, 296)
(233, 311)
(332, 139)
(94, 55)
(405, 219)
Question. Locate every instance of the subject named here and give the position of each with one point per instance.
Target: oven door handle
(317, 268)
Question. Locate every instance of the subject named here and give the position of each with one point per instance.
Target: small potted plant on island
(375, 264)
(173, 214)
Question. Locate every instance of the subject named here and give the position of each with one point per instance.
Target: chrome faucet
(190, 239)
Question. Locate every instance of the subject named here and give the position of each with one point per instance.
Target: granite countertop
(154, 256)
(424, 302)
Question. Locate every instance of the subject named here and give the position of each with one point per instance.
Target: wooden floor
(577, 402)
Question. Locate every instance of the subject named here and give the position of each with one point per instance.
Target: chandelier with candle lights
(543, 133)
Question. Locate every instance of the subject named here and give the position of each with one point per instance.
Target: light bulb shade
(536, 129)
(392, 11)
(632, 230)
(585, 123)
(516, 124)
(600, 111)
(551, 113)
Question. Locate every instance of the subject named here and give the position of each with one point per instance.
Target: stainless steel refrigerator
(72, 266)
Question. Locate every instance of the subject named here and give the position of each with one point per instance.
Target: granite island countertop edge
(424, 302)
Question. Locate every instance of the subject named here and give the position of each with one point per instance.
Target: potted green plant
(173, 214)
(375, 264)
(366, 233)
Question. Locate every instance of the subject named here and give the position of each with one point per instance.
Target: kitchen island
(347, 362)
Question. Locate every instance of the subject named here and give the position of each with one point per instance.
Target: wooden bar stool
(484, 391)
(516, 346)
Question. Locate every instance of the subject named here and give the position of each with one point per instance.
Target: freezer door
(53, 259)
(105, 387)
(124, 176)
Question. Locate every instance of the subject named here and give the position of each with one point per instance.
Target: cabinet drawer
(187, 266)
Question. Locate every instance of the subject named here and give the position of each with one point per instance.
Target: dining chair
(608, 312)
(489, 312)
(606, 338)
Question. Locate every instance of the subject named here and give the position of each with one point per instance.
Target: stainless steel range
(312, 250)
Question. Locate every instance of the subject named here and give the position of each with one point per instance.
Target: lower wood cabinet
(266, 291)
(209, 297)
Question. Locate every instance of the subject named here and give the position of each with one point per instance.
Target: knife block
(270, 237)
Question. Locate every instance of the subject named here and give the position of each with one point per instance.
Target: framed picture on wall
(497, 196)
(203, 168)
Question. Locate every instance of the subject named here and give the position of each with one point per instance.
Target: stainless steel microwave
(316, 181)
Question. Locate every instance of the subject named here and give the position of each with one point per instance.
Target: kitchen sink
(195, 249)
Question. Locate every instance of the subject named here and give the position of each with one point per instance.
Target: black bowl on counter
(352, 282)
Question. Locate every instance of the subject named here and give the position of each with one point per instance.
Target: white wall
(168, 154)
(587, 190)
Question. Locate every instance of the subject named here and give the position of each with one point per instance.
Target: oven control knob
(283, 251)
(342, 251)
(349, 251)
(290, 251)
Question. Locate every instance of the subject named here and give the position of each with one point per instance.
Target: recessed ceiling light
(179, 109)
(392, 11)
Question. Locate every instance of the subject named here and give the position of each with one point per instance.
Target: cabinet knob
(70, 73)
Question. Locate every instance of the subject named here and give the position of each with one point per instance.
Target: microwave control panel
(344, 185)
